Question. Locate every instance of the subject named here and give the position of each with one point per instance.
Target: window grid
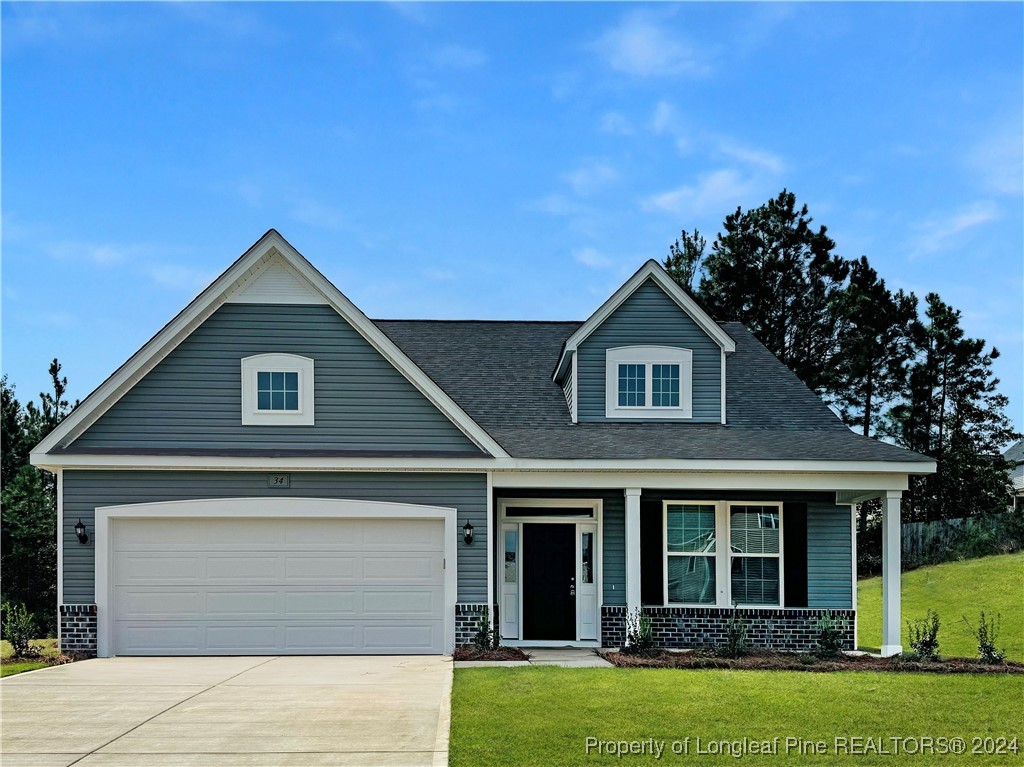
(665, 385)
(277, 390)
(632, 385)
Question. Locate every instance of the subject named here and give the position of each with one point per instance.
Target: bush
(830, 638)
(639, 634)
(487, 637)
(19, 628)
(924, 636)
(735, 644)
(987, 633)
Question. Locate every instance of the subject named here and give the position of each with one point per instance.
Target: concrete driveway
(213, 712)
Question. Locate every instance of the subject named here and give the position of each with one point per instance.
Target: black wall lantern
(467, 533)
(80, 532)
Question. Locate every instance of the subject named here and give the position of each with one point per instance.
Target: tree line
(892, 366)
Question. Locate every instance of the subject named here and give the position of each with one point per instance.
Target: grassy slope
(994, 584)
(542, 715)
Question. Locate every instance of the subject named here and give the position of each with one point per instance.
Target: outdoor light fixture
(467, 533)
(80, 532)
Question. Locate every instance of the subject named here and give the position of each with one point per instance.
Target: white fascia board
(251, 264)
(653, 270)
(531, 466)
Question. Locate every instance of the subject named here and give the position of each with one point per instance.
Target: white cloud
(593, 258)
(940, 233)
(616, 123)
(459, 57)
(643, 46)
(759, 158)
(591, 178)
(713, 193)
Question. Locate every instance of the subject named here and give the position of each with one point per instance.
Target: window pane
(665, 385)
(263, 381)
(691, 580)
(291, 382)
(511, 537)
(277, 400)
(587, 545)
(632, 385)
(277, 381)
(291, 400)
(691, 527)
(754, 529)
(263, 402)
(755, 580)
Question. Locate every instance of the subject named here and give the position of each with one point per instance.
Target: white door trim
(593, 522)
(281, 508)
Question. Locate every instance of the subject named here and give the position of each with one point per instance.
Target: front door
(549, 581)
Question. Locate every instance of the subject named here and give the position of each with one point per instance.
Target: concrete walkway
(215, 712)
(566, 657)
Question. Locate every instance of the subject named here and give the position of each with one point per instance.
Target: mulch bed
(469, 652)
(793, 662)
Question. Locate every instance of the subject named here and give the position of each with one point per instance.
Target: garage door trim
(278, 508)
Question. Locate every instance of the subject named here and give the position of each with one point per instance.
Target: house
(276, 473)
(1015, 455)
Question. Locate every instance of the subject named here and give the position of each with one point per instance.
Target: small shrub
(487, 637)
(639, 634)
(736, 644)
(830, 638)
(987, 634)
(924, 636)
(19, 627)
(808, 659)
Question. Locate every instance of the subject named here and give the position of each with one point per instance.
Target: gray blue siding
(829, 556)
(85, 490)
(650, 317)
(192, 398)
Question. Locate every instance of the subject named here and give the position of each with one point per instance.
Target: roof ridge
(494, 322)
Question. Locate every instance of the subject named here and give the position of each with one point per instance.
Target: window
(587, 557)
(699, 571)
(511, 547)
(277, 389)
(648, 382)
(691, 541)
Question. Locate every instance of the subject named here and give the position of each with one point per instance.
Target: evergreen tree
(684, 258)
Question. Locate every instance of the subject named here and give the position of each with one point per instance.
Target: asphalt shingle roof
(1015, 453)
(500, 374)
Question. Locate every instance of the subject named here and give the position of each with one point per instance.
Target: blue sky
(491, 161)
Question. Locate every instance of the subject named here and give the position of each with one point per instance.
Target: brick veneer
(78, 629)
(790, 630)
(467, 621)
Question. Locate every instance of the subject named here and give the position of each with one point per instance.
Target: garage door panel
(217, 586)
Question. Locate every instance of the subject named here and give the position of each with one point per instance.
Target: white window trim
(277, 363)
(724, 554)
(648, 356)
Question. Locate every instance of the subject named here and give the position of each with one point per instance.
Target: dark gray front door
(549, 581)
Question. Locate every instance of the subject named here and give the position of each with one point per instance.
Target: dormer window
(651, 382)
(277, 389)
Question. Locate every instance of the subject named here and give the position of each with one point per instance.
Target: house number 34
(279, 480)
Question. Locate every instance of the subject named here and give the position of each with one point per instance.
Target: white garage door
(252, 586)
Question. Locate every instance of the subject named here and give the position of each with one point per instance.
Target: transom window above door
(649, 382)
(277, 389)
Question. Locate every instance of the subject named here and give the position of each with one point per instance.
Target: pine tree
(684, 258)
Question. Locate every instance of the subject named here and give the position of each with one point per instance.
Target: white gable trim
(651, 270)
(246, 270)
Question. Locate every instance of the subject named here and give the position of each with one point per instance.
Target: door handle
(572, 587)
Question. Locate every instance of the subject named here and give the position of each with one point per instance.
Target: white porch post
(891, 544)
(632, 548)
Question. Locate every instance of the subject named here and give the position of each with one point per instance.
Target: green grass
(543, 715)
(47, 652)
(994, 584)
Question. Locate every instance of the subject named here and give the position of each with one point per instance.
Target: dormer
(649, 353)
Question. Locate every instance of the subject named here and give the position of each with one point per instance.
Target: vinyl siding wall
(192, 399)
(829, 556)
(650, 317)
(85, 490)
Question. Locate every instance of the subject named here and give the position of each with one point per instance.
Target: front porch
(569, 565)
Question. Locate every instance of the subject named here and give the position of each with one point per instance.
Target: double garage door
(237, 586)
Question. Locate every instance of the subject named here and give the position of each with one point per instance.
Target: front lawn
(994, 584)
(48, 655)
(544, 715)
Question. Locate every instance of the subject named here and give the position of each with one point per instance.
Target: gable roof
(1015, 453)
(651, 270)
(500, 373)
(270, 251)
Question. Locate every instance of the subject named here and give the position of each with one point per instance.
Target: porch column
(632, 548)
(891, 544)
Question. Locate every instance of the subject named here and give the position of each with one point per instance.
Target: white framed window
(277, 389)
(648, 382)
(701, 571)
